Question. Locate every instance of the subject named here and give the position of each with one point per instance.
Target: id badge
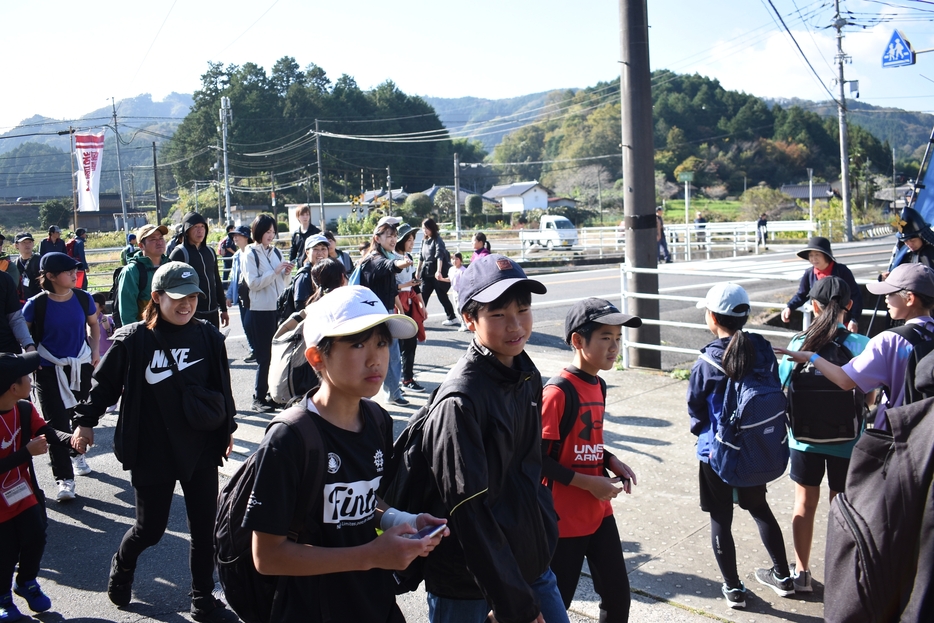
(16, 493)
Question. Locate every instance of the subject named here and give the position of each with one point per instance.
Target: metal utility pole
(638, 174)
(195, 184)
(320, 179)
(811, 195)
(389, 188)
(457, 203)
(838, 23)
(126, 225)
(226, 114)
(155, 177)
(272, 176)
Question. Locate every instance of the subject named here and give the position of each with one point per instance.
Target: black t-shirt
(9, 303)
(345, 517)
(160, 405)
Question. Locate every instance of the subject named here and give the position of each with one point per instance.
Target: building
(519, 197)
(823, 191)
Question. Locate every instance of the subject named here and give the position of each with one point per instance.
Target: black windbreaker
(482, 442)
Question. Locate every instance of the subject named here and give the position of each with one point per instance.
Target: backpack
(750, 447)
(290, 374)
(113, 294)
(40, 305)
(285, 305)
(354, 278)
(243, 288)
(408, 484)
(246, 591)
(880, 531)
(70, 247)
(821, 412)
(923, 342)
(571, 411)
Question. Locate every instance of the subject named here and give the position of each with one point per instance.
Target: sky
(65, 59)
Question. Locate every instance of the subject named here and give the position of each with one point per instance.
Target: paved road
(84, 534)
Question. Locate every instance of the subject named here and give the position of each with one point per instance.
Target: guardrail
(626, 344)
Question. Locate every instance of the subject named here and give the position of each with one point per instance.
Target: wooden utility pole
(155, 178)
(639, 174)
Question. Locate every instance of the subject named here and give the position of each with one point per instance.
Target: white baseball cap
(350, 310)
(726, 299)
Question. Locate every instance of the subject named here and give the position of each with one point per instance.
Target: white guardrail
(627, 294)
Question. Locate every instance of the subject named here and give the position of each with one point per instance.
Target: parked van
(556, 231)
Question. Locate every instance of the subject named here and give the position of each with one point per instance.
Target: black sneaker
(399, 401)
(783, 587)
(263, 406)
(119, 584)
(412, 386)
(251, 358)
(212, 611)
(735, 597)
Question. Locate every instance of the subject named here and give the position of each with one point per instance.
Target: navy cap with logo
(488, 277)
(596, 310)
(14, 367)
(176, 279)
(56, 262)
(242, 230)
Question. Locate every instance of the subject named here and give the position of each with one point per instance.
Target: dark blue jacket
(808, 279)
(707, 388)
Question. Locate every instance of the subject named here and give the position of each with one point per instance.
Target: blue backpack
(751, 443)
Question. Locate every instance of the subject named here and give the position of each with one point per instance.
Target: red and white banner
(89, 150)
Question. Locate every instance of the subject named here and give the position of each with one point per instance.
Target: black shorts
(717, 496)
(807, 468)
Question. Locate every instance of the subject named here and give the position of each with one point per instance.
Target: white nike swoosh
(154, 378)
(6, 444)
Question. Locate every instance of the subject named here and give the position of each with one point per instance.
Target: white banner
(89, 150)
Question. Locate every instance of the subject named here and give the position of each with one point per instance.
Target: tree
(474, 205)
(418, 205)
(55, 212)
(764, 199)
(444, 202)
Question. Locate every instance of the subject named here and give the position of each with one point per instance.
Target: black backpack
(114, 294)
(819, 410)
(249, 593)
(880, 531)
(571, 411)
(923, 342)
(243, 288)
(285, 305)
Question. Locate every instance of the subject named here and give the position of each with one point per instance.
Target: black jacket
(808, 279)
(121, 372)
(432, 256)
(297, 250)
(483, 446)
(28, 274)
(203, 260)
(378, 273)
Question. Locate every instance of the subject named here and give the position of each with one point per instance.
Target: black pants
(607, 568)
(407, 347)
(153, 503)
(22, 540)
(263, 328)
(429, 285)
(55, 413)
(245, 322)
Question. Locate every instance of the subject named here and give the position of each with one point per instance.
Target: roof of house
(461, 193)
(397, 195)
(822, 190)
(513, 190)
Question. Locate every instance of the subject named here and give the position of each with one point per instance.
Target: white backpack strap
(710, 360)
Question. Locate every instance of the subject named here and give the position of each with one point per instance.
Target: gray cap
(314, 240)
(177, 279)
(916, 278)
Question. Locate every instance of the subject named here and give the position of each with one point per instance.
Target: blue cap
(243, 230)
(488, 277)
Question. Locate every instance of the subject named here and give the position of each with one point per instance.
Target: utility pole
(457, 189)
(274, 214)
(838, 23)
(195, 184)
(894, 182)
(811, 195)
(389, 187)
(126, 225)
(226, 114)
(155, 177)
(638, 174)
(74, 187)
(320, 179)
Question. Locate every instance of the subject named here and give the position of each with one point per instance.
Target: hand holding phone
(429, 531)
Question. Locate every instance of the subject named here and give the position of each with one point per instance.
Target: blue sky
(65, 58)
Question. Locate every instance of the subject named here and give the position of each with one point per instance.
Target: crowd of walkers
(510, 505)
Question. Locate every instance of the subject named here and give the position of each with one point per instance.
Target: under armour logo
(370, 303)
(589, 425)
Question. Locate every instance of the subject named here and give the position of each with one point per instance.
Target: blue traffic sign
(898, 52)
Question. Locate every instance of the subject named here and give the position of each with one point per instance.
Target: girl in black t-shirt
(345, 572)
(152, 364)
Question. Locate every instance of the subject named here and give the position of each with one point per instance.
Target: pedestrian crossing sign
(898, 52)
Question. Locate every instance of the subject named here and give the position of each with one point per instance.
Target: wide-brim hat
(242, 230)
(404, 230)
(350, 310)
(817, 243)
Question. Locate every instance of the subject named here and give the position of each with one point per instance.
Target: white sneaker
(66, 490)
(450, 322)
(80, 465)
(463, 327)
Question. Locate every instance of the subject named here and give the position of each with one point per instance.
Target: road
(83, 534)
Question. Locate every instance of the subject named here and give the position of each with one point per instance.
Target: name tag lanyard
(16, 490)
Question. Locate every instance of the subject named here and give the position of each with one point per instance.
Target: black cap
(830, 288)
(596, 310)
(23, 235)
(817, 243)
(14, 367)
(56, 262)
(80, 232)
(488, 277)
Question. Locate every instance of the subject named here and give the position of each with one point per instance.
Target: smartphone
(429, 531)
